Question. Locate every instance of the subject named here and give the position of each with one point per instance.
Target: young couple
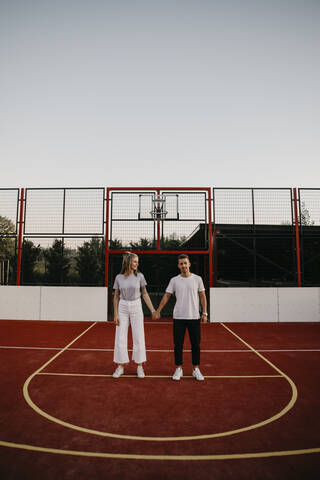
(128, 287)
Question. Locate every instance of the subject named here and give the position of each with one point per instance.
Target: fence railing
(251, 236)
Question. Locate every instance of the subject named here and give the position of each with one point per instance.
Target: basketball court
(254, 416)
(62, 415)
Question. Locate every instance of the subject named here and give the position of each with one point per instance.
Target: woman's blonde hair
(126, 260)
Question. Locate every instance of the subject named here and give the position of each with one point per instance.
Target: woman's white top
(187, 294)
(130, 286)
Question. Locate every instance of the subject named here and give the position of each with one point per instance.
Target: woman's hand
(116, 320)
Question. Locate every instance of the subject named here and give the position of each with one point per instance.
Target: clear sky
(160, 93)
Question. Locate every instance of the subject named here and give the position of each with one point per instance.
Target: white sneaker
(177, 374)
(118, 372)
(197, 374)
(140, 372)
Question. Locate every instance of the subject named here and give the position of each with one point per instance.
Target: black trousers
(179, 330)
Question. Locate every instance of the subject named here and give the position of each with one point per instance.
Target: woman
(128, 286)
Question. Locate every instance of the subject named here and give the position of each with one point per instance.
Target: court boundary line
(284, 350)
(132, 456)
(53, 419)
(61, 374)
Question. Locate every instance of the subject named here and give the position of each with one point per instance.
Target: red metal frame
(295, 204)
(106, 269)
(210, 233)
(158, 248)
(20, 237)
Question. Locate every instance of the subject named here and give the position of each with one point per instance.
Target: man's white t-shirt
(187, 291)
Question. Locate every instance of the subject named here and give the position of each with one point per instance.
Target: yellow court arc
(133, 456)
(161, 439)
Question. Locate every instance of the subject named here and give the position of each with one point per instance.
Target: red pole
(210, 240)
(297, 236)
(20, 237)
(158, 226)
(106, 272)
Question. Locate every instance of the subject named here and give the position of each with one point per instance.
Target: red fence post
(296, 219)
(20, 237)
(106, 272)
(210, 239)
(158, 226)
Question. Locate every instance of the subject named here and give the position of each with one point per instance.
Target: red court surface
(256, 415)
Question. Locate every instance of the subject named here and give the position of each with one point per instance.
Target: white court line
(13, 347)
(104, 375)
(10, 347)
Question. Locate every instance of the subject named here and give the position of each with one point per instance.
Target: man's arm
(163, 302)
(203, 301)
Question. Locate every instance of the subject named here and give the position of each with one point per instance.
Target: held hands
(155, 315)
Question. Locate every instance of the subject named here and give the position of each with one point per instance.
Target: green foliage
(7, 244)
(90, 262)
(6, 226)
(30, 256)
(115, 244)
(142, 244)
(57, 263)
(305, 218)
(172, 242)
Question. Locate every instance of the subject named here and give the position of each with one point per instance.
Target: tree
(305, 218)
(7, 242)
(142, 244)
(173, 242)
(115, 244)
(90, 262)
(30, 256)
(57, 264)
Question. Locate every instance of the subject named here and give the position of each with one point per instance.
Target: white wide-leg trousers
(130, 312)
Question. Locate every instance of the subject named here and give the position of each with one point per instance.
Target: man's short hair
(182, 256)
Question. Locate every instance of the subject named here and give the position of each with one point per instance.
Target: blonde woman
(128, 286)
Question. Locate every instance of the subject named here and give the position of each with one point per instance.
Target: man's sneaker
(197, 374)
(177, 374)
(140, 372)
(118, 372)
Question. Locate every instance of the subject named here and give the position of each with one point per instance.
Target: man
(188, 288)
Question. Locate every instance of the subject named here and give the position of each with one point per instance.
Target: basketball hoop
(158, 211)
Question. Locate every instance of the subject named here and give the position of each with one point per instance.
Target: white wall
(265, 304)
(226, 304)
(20, 303)
(53, 303)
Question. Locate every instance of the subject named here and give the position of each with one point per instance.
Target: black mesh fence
(63, 242)
(63, 261)
(254, 234)
(254, 237)
(9, 206)
(309, 212)
(133, 224)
